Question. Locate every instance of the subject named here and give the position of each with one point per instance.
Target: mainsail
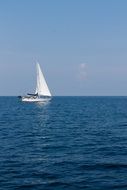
(41, 88)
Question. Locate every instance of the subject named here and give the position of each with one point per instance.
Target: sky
(81, 46)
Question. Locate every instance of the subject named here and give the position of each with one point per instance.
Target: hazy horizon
(81, 47)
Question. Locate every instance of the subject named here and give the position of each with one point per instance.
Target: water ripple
(71, 143)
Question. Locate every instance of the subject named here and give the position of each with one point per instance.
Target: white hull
(35, 99)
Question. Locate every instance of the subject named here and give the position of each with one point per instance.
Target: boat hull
(25, 99)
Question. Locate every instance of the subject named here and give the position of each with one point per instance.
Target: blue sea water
(71, 143)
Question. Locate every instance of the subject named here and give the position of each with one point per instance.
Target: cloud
(82, 74)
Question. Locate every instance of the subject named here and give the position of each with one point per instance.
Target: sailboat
(42, 93)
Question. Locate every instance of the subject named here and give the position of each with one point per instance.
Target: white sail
(42, 87)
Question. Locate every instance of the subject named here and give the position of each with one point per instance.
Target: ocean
(71, 143)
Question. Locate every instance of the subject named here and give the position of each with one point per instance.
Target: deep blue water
(72, 143)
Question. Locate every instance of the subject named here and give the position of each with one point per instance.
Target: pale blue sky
(81, 46)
